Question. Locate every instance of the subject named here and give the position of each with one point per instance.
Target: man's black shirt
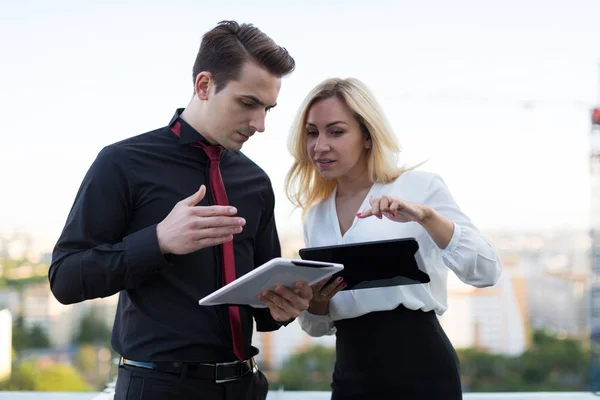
(109, 245)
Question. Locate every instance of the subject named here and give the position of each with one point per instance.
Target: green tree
(92, 330)
(94, 364)
(550, 364)
(557, 364)
(20, 335)
(23, 338)
(38, 338)
(308, 370)
(45, 377)
(482, 371)
(61, 378)
(22, 378)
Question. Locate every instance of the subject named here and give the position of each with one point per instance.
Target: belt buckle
(253, 365)
(137, 364)
(231, 379)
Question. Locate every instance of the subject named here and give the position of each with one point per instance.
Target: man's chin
(234, 146)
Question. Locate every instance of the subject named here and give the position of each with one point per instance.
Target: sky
(495, 96)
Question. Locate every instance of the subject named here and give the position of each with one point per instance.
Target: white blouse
(469, 255)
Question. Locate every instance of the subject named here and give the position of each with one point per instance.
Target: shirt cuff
(318, 318)
(143, 254)
(454, 240)
(265, 321)
(316, 325)
(285, 323)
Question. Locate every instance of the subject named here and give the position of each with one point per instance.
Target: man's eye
(247, 105)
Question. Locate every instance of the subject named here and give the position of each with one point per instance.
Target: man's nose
(258, 123)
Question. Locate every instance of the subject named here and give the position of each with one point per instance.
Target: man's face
(238, 110)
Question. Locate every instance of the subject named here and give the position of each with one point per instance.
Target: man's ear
(202, 85)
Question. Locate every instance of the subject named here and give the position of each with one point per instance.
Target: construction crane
(593, 113)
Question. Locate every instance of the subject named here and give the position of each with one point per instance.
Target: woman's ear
(365, 131)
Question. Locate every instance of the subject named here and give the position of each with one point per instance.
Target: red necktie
(217, 188)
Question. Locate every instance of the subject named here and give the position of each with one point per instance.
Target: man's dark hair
(224, 49)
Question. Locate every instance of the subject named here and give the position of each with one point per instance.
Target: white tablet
(278, 271)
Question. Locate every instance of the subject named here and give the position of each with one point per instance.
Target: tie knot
(213, 152)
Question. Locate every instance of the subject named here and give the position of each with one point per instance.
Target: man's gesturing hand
(188, 227)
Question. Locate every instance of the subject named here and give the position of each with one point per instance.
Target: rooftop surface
(283, 395)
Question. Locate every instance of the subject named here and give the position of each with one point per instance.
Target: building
(493, 319)
(5, 343)
(59, 321)
(558, 302)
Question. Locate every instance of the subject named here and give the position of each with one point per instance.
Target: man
(169, 216)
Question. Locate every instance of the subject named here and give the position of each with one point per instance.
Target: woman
(389, 343)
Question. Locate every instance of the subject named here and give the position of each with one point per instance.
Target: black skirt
(398, 354)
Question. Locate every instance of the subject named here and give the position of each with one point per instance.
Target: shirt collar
(188, 134)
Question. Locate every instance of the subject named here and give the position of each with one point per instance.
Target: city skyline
(496, 98)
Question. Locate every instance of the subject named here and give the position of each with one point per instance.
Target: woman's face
(335, 142)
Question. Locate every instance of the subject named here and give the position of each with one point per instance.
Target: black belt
(219, 372)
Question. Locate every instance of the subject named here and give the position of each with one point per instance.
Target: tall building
(60, 321)
(492, 319)
(5, 344)
(557, 302)
(595, 238)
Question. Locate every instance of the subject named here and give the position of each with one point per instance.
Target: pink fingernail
(340, 279)
(358, 214)
(393, 214)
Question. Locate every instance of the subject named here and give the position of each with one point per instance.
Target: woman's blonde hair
(304, 185)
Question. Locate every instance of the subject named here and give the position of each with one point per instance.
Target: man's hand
(285, 303)
(188, 227)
